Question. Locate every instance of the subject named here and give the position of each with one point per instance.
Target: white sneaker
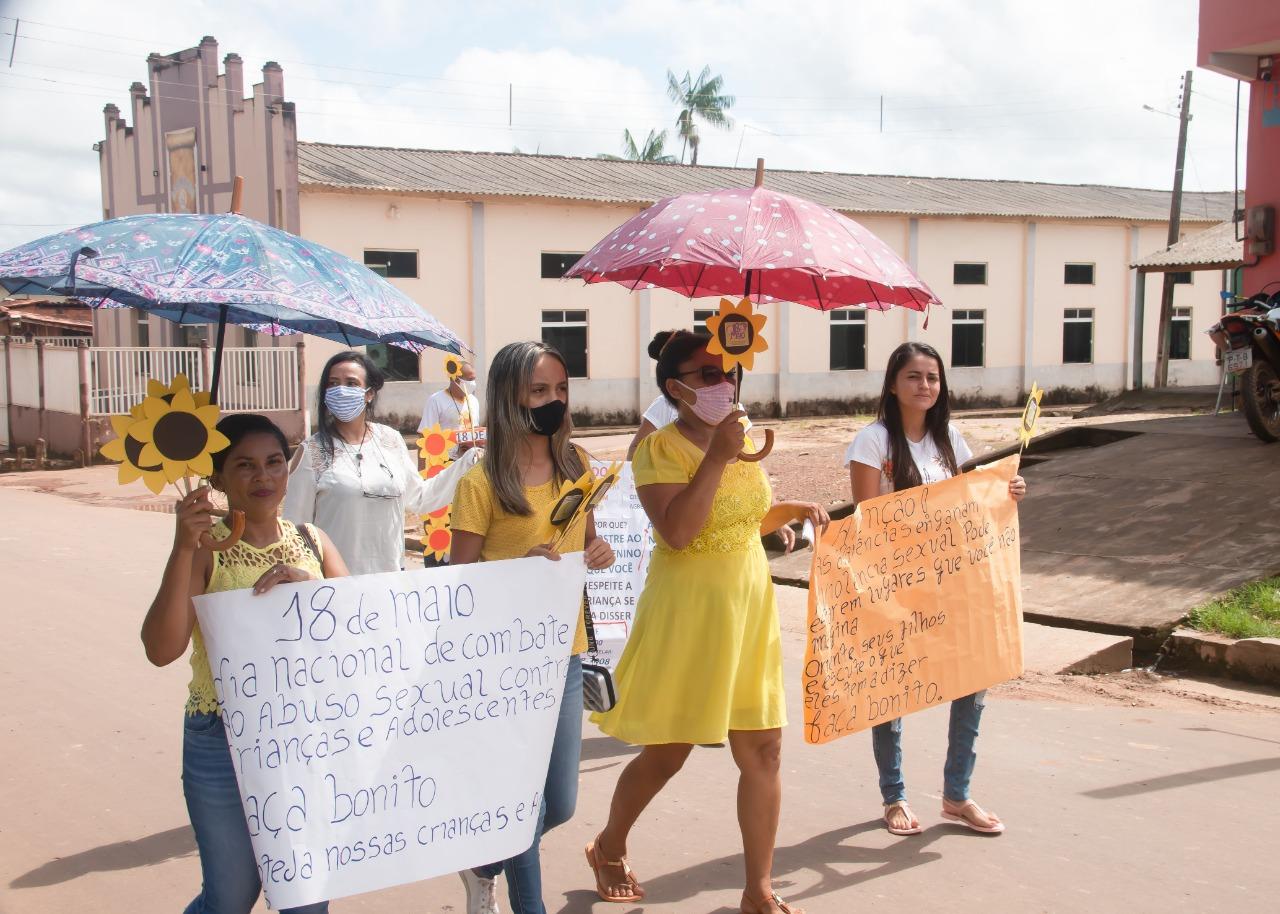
(482, 893)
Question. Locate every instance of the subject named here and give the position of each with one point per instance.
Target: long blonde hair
(508, 424)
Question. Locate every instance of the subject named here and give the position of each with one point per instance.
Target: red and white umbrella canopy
(787, 248)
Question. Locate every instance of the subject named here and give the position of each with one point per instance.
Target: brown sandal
(782, 905)
(634, 891)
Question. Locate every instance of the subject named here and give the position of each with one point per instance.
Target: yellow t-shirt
(511, 536)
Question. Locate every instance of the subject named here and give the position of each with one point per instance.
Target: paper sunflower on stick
(736, 337)
(167, 438)
(1030, 415)
(434, 444)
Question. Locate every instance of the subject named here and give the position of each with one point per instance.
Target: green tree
(700, 99)
(651, 151)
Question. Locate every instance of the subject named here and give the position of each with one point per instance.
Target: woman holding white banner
(502, 510)
(253, 472)
(356, 478)
(912, 443)
(704, 661)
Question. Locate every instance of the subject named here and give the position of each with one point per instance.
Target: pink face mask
(711, 404)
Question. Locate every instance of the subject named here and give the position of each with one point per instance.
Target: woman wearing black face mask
(502, 510)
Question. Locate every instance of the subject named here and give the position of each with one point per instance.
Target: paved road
(1110, 808)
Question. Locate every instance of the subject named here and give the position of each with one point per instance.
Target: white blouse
(359, 495)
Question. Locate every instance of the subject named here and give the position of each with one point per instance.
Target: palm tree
(701, 98)
(651, 151)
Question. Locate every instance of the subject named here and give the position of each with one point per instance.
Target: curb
(1250, 659)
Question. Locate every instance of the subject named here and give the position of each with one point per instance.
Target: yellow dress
(705, 653)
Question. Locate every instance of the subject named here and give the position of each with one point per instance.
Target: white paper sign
(388, 728)
(613, 591)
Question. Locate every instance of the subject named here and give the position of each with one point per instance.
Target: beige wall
(473, 252)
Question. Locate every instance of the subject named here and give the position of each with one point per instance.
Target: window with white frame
(968, 332)
(700, 322)
(849, 340)
(393, 264)
(1180, 334)
(395, 362)
(1077, 336)
(567, 332)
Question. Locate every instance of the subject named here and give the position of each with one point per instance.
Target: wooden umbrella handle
(763, 452)
(237, 530)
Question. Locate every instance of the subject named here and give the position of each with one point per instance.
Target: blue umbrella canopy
(224, 268)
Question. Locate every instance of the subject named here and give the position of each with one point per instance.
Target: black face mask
(547, 418)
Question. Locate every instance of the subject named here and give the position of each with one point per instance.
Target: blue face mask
(345, 402)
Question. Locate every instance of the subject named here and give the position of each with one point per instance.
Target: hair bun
(659, 341)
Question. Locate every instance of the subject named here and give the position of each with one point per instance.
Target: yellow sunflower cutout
(570, 505)
(603, 485)
(735, 334)
(127, 448)
(437, 538)
(434, 444)
(178, 435)
(1030, 415)
(453, 367)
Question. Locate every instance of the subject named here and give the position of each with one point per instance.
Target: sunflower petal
(155, 481)
(150, 455)
(179, 381)
(128, 473)
(201, 397)
(201, 465)
(113, 450)
(156, 389)
(143, 430)
(208, 415)
(217, 442)
(183, 402)
(120, 425)
(175, 470)
(154, 407)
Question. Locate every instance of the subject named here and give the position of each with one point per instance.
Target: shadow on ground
(122, 855)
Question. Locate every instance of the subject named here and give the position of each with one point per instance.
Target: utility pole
(1165, 328)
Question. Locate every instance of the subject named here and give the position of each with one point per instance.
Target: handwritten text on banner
(613, 591)
(392, 727)
(914, 600)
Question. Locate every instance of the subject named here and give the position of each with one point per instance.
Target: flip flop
(909, 830)
(634, 892)
(961, 819)
(782, 905)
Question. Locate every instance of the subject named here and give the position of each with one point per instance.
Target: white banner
(388, 728)
(613, 591)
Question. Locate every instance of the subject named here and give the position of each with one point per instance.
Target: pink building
(1241, 38)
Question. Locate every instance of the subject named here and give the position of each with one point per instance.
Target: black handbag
(597, 681)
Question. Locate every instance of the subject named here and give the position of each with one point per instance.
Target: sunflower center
(133, 450)
(180, 436)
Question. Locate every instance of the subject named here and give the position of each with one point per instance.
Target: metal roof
(1214, 247)
(473, 175)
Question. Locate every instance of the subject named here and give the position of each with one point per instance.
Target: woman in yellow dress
(704, 661)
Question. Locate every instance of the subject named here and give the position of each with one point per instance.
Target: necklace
(357, 452)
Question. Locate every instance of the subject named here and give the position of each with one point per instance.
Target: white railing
(253, 379)
(68, 342)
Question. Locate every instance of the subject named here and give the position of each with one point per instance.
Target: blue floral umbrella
(223, 268)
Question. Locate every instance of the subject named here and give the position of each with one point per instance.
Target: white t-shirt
(449, 413)
(870, 447)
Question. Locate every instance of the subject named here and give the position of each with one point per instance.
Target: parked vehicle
(1250, 344)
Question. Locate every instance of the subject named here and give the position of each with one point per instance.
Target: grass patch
(1251, 611)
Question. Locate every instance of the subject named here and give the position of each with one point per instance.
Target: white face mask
(468, 387)
(345, 402)
(711, 404)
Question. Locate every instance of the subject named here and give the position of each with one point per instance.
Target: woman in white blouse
(355, 478)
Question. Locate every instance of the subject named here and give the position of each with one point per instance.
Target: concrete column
(913, 261)
(644, 333)
(477, 287)
(1133, 319)
(1029, 309)
(784, 356)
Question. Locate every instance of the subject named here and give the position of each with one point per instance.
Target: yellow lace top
(236, 569)
(741, 501)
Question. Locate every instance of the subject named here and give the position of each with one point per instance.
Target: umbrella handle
(763, 452)
(222, 545)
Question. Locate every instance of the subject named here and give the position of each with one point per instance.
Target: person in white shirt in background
(455, 407)
(355, 478)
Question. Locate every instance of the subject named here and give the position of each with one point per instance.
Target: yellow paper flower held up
(179, 435)
(434, 444)
(126, 449)
(453, 367)
(735, 334)
(1030, 415)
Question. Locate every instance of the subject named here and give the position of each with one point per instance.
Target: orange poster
(914, 600)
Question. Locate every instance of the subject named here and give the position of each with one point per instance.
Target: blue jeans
(886, 743)
(227, 866)
(560, 797)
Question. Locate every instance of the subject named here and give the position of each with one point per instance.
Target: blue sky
(995, 89)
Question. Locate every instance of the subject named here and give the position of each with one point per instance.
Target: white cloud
(1000, 89)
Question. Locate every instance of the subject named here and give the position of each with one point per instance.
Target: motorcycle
(1250, 344)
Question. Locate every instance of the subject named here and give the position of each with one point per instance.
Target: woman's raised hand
(598, 554)
(280, 574)
(1017, 488)
(194, 514)
(728, 439)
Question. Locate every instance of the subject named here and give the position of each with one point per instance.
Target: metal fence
(253, 379)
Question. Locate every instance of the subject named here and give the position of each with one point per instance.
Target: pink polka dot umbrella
(756, 243)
